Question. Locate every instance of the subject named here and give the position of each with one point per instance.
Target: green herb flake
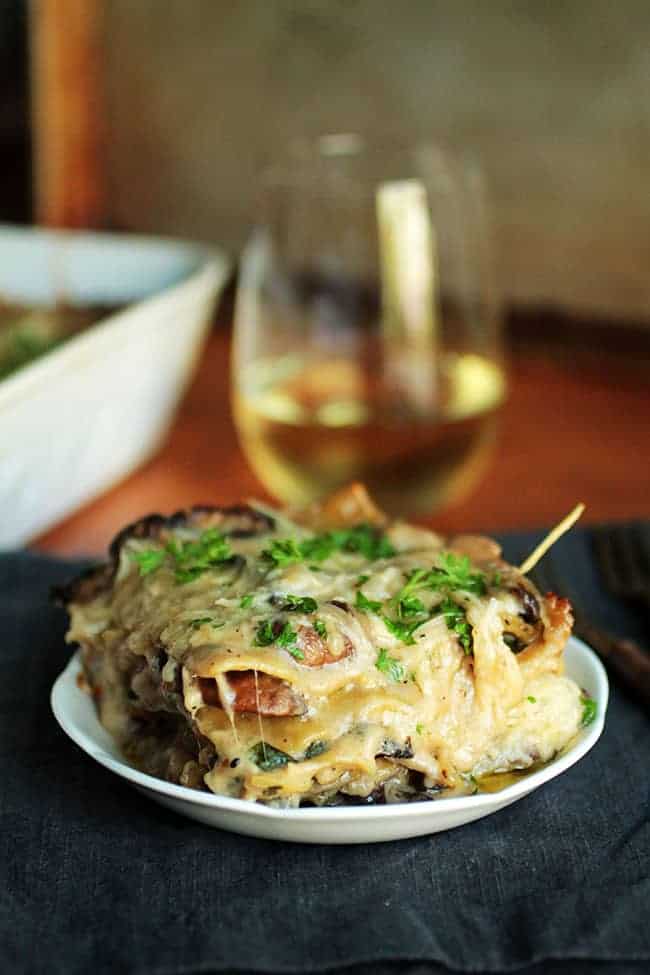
(402, 629)
(299, 604)
(295, 652)
(202, 620)
(315, 749)
(456, 620)
(264, 634)
(361, 579)
(246, 601)
(321, 629)
(267, 758)
(362, 539)
(589, 710)
(409, 606)
(283, 552)
(496, 579)
(454, 573)
(365, 540)
(286, 639)
(419, 728)
(149, 560)
(192, 559)
(366, 605)
(533, 700)
(317, 548)
(471, 781)
(268, 632)
(389, 666)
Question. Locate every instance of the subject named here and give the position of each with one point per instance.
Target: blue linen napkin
(94, 877)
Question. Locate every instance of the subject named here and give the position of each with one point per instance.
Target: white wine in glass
(366, 339)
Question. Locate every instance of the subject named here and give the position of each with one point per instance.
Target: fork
(624, 659)
(623, 556)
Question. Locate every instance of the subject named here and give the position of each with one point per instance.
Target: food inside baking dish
(331, 657)
(28, 332)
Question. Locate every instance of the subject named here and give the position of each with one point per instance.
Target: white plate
(75, 712)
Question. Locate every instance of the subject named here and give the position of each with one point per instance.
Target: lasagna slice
(327, 658)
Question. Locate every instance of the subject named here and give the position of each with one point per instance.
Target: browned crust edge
(235, 521)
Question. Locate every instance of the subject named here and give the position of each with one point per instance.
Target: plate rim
(486, 800)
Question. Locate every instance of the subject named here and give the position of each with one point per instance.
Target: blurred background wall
(554, 97)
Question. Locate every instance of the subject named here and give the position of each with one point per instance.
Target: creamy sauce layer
(407, 666)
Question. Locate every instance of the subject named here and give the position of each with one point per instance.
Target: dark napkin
(96, 878)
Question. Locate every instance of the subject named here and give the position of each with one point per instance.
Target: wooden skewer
(551, 538)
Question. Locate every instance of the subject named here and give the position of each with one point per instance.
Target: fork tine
(640, 532)
(623, 556)
(630, 555)
(643, 535)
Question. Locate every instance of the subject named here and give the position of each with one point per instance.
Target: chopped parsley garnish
(470, 780)
(456, 620)
(283, 552)
(455, 573)
(295, 652)
(299, 604)
(149, 560)
(315, 749)
(589, 710)
(192, 559)
(365, 540)
(268, 758)
(533, 700)
(389, 666)
(361, 579)
(189, 559)
(318, 548)
(367, 605)
(409, 606)
(402, 629)
(419, 728)
(269, 632)
(411, 613)
(265, 634)
(362, 539)
(287, 638)
(195, 624)
(321, 629)
(417, 579)
(496, 579)
(246, 601)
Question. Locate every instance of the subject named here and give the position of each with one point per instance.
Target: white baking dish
(83, 416)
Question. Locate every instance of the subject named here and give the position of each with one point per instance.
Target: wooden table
(575, 427)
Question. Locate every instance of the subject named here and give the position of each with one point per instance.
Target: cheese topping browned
(353, 660)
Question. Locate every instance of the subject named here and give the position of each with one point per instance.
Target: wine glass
(366, 343)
